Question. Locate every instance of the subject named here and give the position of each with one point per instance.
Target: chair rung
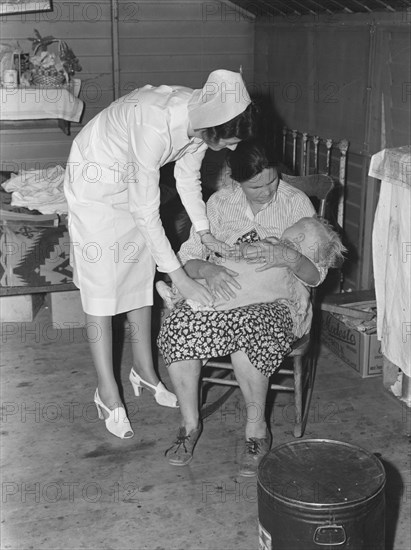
(223, 382)
(285, 371)
(219, 365)
(281, 388)
(220, 381)
(227, 366)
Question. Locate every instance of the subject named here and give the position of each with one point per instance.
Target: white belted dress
(112, 190)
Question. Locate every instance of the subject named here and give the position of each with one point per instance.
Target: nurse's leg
(100, 337)
(141, 343)
(143, 374)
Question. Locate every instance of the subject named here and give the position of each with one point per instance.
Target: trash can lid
(320, 472)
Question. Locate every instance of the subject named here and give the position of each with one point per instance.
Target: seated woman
(257, 207)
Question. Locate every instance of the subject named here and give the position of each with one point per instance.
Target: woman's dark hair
(242, 126)
(248, 160)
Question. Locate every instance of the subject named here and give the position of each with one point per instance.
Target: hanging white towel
(392, 254)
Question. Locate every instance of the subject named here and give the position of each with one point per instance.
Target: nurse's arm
(146, 147)
(188, 185)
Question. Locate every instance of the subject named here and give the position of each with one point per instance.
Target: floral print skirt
(262, 331)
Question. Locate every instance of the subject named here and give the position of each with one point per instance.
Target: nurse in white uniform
(113, 194)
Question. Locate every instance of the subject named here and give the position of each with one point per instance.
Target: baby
(312, 237)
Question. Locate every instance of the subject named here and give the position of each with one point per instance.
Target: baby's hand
(247, 250)
(272, 240)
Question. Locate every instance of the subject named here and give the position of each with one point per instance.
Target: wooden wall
(395, 78)
(145, 42)
(330, 76)
(181, 42)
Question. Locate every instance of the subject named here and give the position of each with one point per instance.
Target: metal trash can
(321, 494)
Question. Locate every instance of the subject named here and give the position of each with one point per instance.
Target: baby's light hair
(328, 250)
(331, 252)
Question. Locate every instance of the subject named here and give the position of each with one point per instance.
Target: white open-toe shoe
(160, 392)
(117, 422)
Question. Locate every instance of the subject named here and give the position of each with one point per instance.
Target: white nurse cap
(223, 97)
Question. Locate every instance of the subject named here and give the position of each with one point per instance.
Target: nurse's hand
(220, 280)
(190, 289)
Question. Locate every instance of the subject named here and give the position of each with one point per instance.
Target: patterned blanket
(34, 256)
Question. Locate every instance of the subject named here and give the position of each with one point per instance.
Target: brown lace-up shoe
(181, 451)
(254, 450)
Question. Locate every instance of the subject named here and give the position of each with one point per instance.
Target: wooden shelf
(16, 290)
(64, 125)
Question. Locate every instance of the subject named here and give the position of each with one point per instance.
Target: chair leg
(298, 396)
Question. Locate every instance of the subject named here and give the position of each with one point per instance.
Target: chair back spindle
(342, 178)
(316, 141)
(295, 135)
(305, 153)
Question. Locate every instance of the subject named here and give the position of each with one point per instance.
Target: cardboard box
(21, 308)
(359, 350)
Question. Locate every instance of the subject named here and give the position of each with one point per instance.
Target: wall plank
(181, 39)
(238, 45)
(24, 149)
(185, 29)
(181, 63)
(398, 89)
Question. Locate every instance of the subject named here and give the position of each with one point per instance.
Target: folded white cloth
(40, 190)
(40, 103)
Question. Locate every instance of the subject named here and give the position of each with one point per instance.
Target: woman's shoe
(254, 451)
(160, 392)
(181, 451)
(117, 422)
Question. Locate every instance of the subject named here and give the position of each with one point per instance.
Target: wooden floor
(68, 484)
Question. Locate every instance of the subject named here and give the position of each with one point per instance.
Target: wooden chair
(319, 188)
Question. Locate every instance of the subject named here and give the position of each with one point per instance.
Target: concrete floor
(68, 484)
